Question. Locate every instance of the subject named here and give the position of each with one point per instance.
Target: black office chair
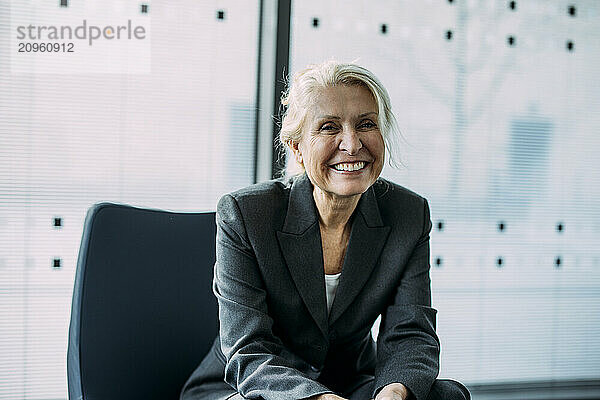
(143, 313)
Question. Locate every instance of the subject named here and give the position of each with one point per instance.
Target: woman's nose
(350, 141)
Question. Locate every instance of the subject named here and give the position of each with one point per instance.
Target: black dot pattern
(511, 40)
(220, 14)
(572, 10)
(64, 3)
(144, 8)
(384, 28)
(57, 222)
(449, 35)
(56, 263)
(512, 5)
(315, 22)
(499, 261)
(570, 46)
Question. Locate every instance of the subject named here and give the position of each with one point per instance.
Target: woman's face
(341, 148)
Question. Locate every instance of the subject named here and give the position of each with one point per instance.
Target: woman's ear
(296, 151)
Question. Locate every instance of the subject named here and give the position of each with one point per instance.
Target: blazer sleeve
(408, 347)
(257, 364)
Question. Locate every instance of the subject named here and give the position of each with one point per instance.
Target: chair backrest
(143, 312)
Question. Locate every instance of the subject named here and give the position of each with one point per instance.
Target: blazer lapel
(367, 238)
(300, 242)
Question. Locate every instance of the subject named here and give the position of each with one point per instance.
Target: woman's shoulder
(259, 200)
(390, 191)
(261, 207)
(399, 205)
(263, 191)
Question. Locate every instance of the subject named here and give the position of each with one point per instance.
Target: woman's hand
(393, 391)
(326, 396)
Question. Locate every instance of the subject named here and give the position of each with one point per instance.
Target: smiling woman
(305, 264)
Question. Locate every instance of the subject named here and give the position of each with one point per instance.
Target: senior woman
(305, 264)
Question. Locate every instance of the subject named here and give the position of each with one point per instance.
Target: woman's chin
(349, 189)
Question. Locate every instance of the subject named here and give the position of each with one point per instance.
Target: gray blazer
(277, 341)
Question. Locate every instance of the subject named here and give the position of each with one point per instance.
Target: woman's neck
(334, 211)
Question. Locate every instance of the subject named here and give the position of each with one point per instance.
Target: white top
(331, 284)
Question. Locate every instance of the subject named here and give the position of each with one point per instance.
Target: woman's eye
(328, 127)
(367, 124)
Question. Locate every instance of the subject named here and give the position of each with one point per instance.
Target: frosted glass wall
(176, 138)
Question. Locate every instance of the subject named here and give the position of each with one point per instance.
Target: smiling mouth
(350, 167)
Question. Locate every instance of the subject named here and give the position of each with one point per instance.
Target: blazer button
(315, 369)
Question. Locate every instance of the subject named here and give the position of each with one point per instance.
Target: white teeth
(349, 166)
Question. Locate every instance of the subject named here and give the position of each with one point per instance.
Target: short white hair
(304, 86)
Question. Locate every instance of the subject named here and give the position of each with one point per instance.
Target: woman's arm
(254, 366)
(407, 346)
